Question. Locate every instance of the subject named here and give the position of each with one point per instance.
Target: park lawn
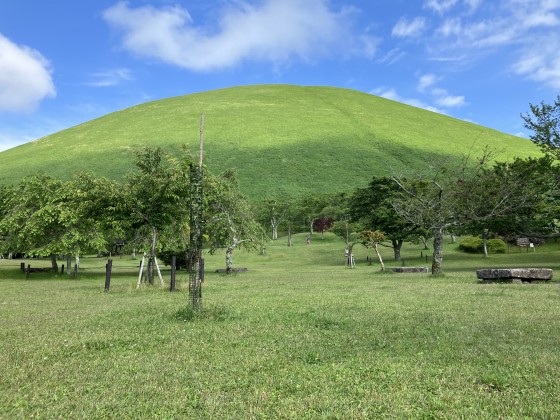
(297, 336)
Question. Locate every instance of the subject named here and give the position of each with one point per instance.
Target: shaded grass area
(297, 336)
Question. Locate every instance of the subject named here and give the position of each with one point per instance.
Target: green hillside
(283, 139)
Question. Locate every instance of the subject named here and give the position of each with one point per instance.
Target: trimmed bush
(496, 246)
(472, 244)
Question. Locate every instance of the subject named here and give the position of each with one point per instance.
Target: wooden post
(22, 266)
(62, 269)
(108, 268)
(75, 272)
(159, 272)
(196, 225)
(27, 271)
(173, 273)
(68, 264)
(141, 271)
(151, 271)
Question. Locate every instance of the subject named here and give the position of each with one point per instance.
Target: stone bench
(523, 274)
(409, 269)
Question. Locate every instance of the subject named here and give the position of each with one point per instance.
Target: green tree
(156, 197)
(455, 195)
(350, 232)
(230, 221)
(529, 186)
(544, 122)
(372, 239)
(373, 208)
(32, 223)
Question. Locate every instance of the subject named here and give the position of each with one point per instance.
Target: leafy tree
(456, 195)
(272, 212)
(32, 222)
(323, 224)
(230, 221)
(351, 234)
(372, 239)
(156, 197)
(373, 208)
(531, 205)
(45, 216)
(544, 122)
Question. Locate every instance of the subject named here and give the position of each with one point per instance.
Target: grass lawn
(297, 336)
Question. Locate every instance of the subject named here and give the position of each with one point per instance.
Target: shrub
(496, 246)
(471, 244)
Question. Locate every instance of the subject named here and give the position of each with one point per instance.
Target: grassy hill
(283, 139)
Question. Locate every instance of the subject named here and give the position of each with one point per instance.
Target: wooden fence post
(108, 268)
(173, 273)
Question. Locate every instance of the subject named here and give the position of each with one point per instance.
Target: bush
(496, 246)
(472, 244)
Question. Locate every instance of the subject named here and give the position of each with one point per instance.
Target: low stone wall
(523, 274)
(409, 269)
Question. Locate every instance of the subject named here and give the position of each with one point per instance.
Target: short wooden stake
(108, 268)
(173, 273)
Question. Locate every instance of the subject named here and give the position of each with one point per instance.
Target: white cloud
(274, 31)
(473, 5)
(541, 64)
(7, 142)
(440, 6)
(405, 28)
(392, 56)
(523, 35)
(391, 93)
(110, 78)
(426, 81)
(25, 79)
(449, 101)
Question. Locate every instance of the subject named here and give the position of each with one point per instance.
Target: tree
(45, 216)
(372, 239)
(156, 196)
(32, 222)
(323, 224)
(373, 208)
(230, 221)
(351, 234)
(533, 186)
(458, 194)
(272, 211)
(544, 122)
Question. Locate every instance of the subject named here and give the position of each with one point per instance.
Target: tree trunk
(397, 245)
(152, 256)
(54, 263)
(379, 257)
(349, 256)
(437, 260)
(424, 242)
(229, 258)
(274, 223)
(485, 242)
(289, 234)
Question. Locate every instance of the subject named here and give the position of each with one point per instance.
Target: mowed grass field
(297, 336)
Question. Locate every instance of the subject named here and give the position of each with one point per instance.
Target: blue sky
(63, 62)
